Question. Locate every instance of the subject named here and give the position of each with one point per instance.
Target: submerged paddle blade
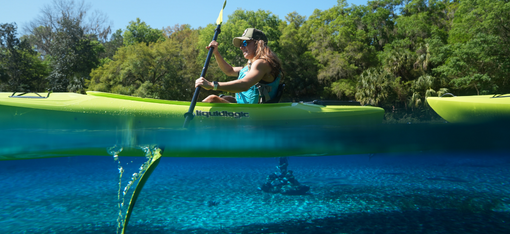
(153, 164)
(220, 17)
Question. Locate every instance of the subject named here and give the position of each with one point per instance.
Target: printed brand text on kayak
(222, 114)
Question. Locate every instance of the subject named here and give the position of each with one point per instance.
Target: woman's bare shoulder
(261, 64)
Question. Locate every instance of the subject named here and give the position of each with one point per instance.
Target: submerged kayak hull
(248, 142)
(67, 124)
(472, 109)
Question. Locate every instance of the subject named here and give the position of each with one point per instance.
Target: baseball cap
(249, 34)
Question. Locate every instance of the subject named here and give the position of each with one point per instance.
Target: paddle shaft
(189, 114)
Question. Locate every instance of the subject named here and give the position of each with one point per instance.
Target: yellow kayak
(472, 109)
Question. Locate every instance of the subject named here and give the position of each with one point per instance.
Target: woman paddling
(257, 82)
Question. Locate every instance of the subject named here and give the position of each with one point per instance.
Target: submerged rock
(283, 182)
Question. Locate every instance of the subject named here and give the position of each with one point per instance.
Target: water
(422, 184)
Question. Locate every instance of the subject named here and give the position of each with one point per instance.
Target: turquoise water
(266, 142)
(447, 179)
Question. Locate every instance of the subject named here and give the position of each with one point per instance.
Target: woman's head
(253, 43)
(248, 42)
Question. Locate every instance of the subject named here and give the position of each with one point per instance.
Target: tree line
(388, 53)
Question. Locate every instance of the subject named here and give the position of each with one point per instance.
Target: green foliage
(20, 67)
(69, 40)
(158, 70)
(344, 88)
(375, 86)
(298, 63)
(478, 48)
(344, 41)
(72, 56)
(478, 64)
(111, 46)
(475, 17)
(139, 31)
(42, 30)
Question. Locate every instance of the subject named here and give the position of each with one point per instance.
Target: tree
(478, 64)
(111, 46)
(479, 44)
(42, 31)
(69, 38)
(20, 68)
(188, 69)
(298, 63)
(139, 31)
(413, 50)
(163, 69)
(339, 40)
(374, 87)
(73, 56)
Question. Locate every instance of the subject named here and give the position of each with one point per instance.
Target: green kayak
(472, 109)
(103, 111)
(68, 124)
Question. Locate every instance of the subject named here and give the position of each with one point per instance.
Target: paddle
(143, 179)
(189, 115)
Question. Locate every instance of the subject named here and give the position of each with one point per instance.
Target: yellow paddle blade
(220, 17)
(145, 176)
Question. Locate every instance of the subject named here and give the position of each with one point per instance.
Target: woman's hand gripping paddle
(189, 115)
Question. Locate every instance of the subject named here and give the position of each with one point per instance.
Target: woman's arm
(258, 70)
(224, 66)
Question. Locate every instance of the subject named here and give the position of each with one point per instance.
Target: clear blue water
(429, 192)
(427, 179)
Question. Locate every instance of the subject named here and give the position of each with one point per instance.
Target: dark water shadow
(447, 178)
(438, 221)
(422, 221)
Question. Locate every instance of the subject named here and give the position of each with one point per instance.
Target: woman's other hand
(204, 83)
(213, 44)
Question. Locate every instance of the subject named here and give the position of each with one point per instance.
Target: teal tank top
(251, 96)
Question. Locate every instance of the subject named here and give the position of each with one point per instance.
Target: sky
(162, 13)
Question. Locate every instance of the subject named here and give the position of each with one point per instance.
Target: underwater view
(425, 187)
(366, 117)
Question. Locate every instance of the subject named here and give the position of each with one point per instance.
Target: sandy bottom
(404, 193)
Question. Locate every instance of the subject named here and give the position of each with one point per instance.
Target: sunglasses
(245, 43)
